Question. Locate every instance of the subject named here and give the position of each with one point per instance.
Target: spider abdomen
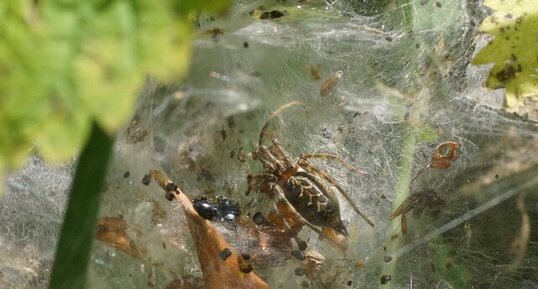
(309, 201)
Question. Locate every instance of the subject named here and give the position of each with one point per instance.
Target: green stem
(78, 229)
(402, 192)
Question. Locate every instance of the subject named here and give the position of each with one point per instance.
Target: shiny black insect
(223, 209)
(205, 208)
(228, 210)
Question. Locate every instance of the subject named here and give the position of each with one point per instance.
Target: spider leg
(300, 243)
(272, 116)
(333, 157)
(307, 166)
(282, 197)
(254, 181)
(270, 160)
(281, 154)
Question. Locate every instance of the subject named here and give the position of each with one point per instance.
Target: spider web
(406, 87)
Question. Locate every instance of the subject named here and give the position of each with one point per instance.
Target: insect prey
(329, 85)
(443, 157)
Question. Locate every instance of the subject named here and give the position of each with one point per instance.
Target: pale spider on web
(308, 190)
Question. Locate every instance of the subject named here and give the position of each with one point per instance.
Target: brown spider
(307, 189)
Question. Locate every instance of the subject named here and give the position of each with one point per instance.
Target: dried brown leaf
(219, 273)
(113, 232)
(444, 155)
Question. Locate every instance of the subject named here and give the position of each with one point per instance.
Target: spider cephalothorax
(309, 190)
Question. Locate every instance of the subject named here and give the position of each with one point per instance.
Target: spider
(308, 190)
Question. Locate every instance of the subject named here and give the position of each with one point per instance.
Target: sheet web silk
(406, 86)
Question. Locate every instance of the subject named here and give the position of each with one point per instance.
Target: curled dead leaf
(444, 155)
(113, 231)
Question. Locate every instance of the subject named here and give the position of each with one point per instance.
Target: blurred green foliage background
(65, 63)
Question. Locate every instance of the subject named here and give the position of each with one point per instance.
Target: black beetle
(228, 209)
(205, 208)
(223, 210)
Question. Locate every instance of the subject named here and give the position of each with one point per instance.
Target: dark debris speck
(271, 15)
(169, 196)
(245, 266)
(297, 254)
(126, 174)
(171, 187)
(258, 218)
(299, 271)
(265, 15)
(302, 245)
(224, 254)
(385, 279)
(276, 14)
(146, 180)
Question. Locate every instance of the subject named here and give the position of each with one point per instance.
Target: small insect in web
(424, 201)
(442, 158)
(329, 85)
(445, 153)
(307, 190)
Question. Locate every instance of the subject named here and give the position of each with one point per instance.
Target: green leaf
(66, 63)
(78, 229)
(513, 50)
(186, 7)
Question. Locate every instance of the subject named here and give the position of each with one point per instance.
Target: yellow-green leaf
(513, 51)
